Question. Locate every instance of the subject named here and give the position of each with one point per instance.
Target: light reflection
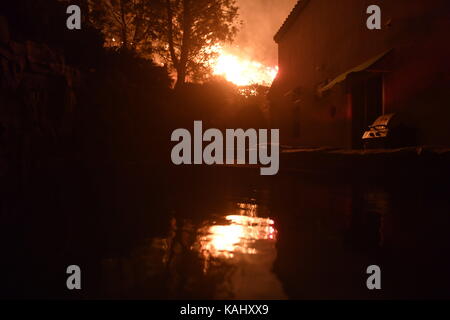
(236, 234)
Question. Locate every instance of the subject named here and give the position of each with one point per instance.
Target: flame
(241, 71)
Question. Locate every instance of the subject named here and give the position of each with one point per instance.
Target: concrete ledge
(413, 161)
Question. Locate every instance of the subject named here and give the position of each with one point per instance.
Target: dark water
(231, 234)
(223, 233)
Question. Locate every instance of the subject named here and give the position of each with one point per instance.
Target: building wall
(329, 38)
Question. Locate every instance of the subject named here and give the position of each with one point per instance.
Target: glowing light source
(241, 71)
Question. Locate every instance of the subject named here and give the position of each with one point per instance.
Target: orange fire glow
(242, 71)
(238, 236)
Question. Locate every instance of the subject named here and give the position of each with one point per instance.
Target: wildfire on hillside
(241, 71)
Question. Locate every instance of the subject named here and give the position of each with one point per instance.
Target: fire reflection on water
(229, 256)
(236, 235)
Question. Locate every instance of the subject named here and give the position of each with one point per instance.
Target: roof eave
(290, 20)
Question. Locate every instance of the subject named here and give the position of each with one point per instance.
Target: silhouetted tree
(179, 33)
(130, 24)
(191, 28)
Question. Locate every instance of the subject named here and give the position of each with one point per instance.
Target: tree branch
(170, 34)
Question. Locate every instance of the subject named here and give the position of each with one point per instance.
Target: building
(337, 76)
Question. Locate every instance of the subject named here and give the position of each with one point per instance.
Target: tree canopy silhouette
(194, 26)
(127, 24)
(178, 33)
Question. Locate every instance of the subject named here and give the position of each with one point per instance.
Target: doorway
(366, 91)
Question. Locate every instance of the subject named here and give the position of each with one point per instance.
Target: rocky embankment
(37, 100)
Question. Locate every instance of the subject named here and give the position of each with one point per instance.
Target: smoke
(261, 20)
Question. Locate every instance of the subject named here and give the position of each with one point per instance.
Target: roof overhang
(363, 66)
(290, 20)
